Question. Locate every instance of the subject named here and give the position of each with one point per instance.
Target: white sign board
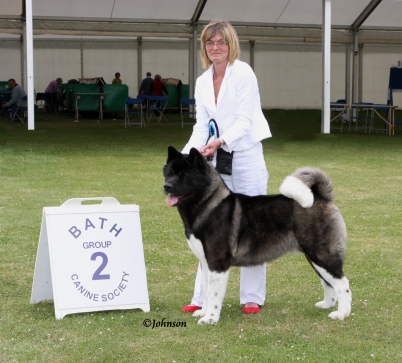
(91, 258)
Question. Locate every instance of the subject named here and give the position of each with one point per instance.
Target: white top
(237, 112)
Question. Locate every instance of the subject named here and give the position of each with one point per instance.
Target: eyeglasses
(220, 44)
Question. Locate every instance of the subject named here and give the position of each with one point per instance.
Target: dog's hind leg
(217, 284)
(341, 289)
(330, 297)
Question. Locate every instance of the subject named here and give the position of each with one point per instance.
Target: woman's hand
(210, 148)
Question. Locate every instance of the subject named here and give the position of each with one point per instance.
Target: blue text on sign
(76, 232)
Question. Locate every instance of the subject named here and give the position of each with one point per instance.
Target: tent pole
(252, 43)
(193, 52)
(30, 69)
(23, 79)
(326, 66)
(139, 62)
(360, 78)
(355, 69)
(348, 78)
(195, 57)
(191, 68)
(82, 58)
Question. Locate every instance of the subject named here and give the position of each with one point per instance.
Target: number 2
(97, 275)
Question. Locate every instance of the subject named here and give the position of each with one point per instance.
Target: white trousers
(250, 177)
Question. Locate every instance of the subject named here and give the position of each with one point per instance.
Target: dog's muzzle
(168, 188)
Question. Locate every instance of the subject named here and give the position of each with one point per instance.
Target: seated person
(117, 79)
(56, 98)
(17, 93)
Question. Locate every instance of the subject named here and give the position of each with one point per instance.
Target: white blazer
(237, 113)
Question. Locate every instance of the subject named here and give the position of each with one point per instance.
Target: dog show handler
(229, 115)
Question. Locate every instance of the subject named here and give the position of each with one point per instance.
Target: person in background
(117, 79)
(53, 86)
(228, 101)
(146, 85)
(158, 87)
(17, 93)
(55, 94)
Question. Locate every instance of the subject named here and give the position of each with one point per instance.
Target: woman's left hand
(210, 148)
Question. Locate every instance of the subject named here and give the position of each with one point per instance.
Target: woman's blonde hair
(227, 32)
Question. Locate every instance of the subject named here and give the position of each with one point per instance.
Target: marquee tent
(308, 24)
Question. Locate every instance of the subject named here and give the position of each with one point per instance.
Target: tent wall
(168, 59)
(10, 60)
(54, 59)
(377, 61)
(289, 75)
(104, 59)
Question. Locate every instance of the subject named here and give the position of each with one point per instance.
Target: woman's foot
(190, 308)
(251, 308)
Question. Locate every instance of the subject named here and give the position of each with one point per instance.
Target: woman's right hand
(210, 148)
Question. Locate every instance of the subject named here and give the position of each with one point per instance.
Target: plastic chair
(364, 117)
(15, 113)
(145, 104)
(338, 113)
(157, 104)
(384, 126)
(186, 111)
(131, 110)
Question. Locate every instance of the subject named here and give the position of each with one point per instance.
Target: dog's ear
(173, 154)
(195, 158)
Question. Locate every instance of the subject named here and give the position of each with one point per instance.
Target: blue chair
(384, 125)
(361, 107)
(156, 107)
(133, 107)
(186, 102)
(338, 114)
(145, 104)
(15, 116)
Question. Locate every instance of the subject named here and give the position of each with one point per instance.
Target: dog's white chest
(196, 246)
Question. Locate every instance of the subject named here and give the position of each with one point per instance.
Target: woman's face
(217, 49)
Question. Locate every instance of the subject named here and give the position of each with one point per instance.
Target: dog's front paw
(208, 319)
(338, 315)
(200, 312)
(325, 304)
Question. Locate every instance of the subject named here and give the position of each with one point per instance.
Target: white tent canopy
(258, 17)
(264, 25)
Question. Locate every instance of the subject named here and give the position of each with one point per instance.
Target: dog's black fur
(226, 229)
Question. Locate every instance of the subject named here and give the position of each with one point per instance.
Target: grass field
(62, 160)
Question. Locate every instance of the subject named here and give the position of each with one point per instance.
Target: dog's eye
(182, 175)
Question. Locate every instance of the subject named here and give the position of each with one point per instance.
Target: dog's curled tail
(304, 183)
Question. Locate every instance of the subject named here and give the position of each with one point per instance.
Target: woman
(228, 104)
(158, 87)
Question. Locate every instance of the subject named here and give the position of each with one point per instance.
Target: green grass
(62, 160)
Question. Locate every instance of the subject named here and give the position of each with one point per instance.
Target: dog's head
(186, 175)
